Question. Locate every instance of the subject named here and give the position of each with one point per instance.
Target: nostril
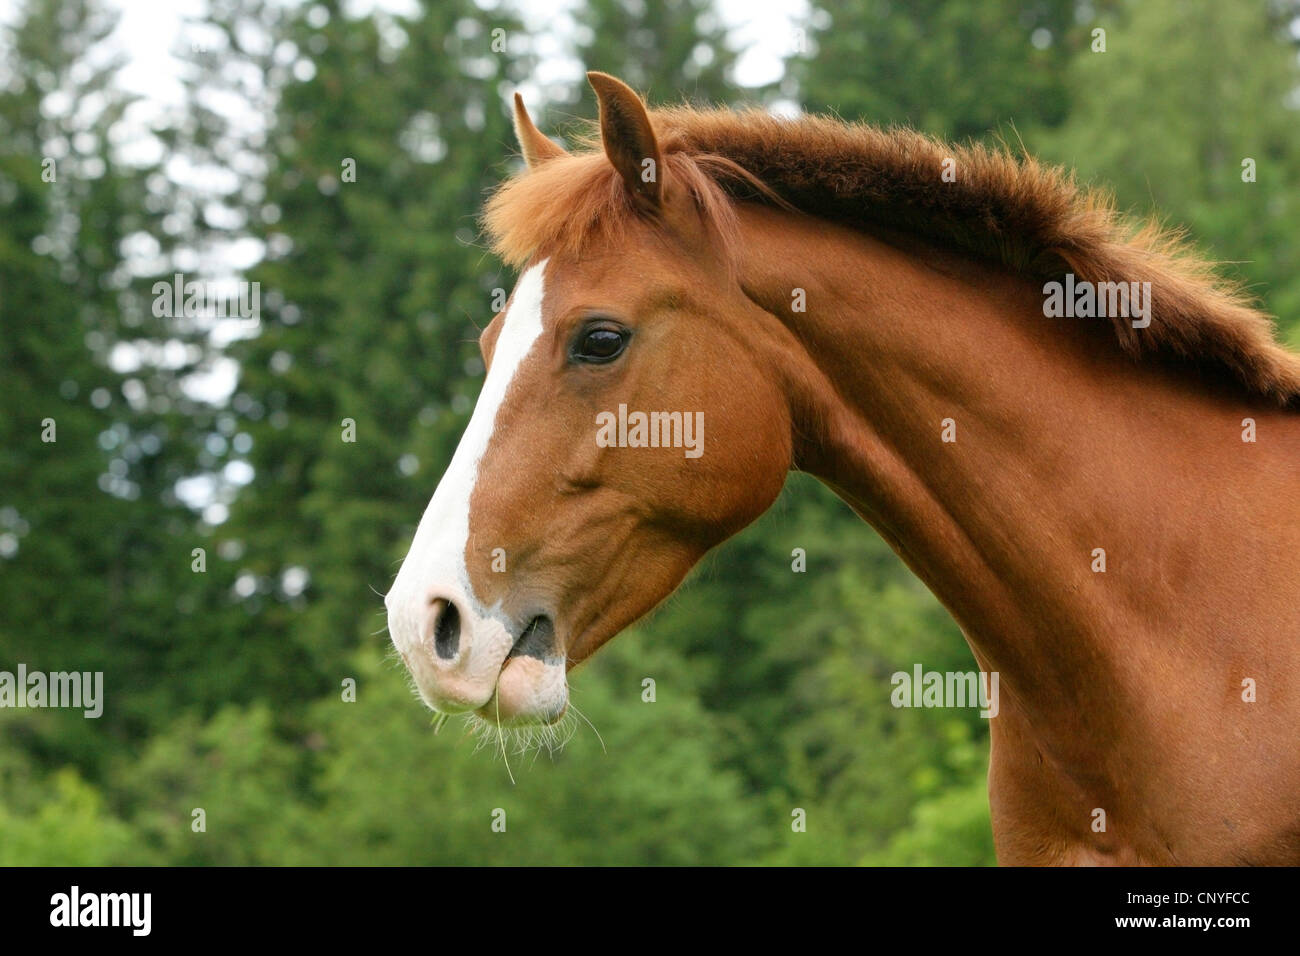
(446, 630)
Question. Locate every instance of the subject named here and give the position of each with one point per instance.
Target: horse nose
(451, 648)
(444, 627)
(462, 655)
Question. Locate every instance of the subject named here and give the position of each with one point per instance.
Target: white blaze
(435, 564)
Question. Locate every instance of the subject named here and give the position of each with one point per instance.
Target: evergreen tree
(951, 70)
(1193, 118)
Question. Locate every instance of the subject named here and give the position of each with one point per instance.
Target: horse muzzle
(466, 659)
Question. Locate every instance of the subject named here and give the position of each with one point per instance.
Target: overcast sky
(150, 30)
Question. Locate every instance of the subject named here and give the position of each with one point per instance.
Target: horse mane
(1011, 210)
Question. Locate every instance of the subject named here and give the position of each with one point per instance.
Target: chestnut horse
(1107, 506)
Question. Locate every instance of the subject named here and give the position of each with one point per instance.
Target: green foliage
(652, 791)
(235, 769)
(951, 70)
(1223, 88)
(70, 827)
(949, 829)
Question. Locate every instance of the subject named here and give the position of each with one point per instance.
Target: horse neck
(1062, 446)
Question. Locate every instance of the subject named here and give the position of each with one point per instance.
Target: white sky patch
(294, 580)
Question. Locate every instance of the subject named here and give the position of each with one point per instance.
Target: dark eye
(601, 343)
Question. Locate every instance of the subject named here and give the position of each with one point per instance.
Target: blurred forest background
(224, 687)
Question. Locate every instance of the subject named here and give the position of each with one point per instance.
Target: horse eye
(600, 345)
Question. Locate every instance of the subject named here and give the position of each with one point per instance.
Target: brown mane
(1025, 215)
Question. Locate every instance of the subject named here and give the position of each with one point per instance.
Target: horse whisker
(501, 738)
(589, 724)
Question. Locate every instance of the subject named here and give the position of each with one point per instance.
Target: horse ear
(629, 139)
(536, 148)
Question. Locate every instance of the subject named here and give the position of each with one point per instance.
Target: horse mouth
(531, 688)
(536, 640)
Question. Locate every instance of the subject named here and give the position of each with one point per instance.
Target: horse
(1102, 497)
